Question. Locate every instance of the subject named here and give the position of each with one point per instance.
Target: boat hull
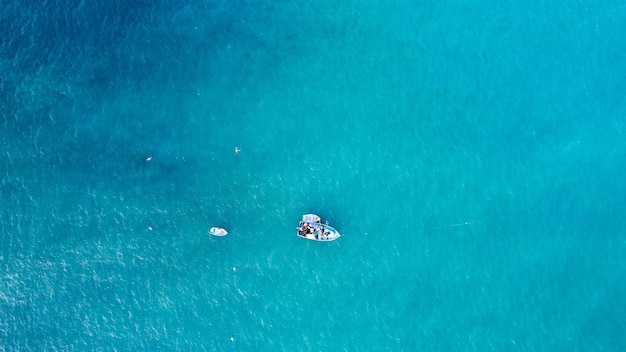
(319, 233)
(218, 231)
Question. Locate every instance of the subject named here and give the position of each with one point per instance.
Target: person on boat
(305, 229)
(319, 233)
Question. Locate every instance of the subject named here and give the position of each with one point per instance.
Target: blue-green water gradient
(471, 154)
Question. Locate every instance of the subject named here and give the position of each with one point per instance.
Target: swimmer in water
(237, 150)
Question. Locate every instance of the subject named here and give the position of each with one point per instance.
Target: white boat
(218, 231)
(311, 228)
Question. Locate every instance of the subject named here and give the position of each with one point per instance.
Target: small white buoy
(150, 228)
(149, 158)
(234, 269)
(232, 338)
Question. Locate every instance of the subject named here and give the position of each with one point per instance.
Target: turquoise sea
(471, 153)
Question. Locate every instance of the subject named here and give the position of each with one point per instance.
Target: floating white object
(218, 231)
